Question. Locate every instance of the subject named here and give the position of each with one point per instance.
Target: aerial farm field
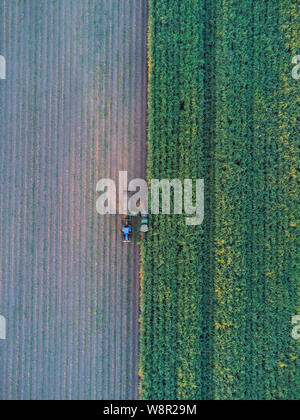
(218, 300)
(196, 312)
(73, 110)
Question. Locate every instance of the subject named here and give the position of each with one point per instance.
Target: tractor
(126, 229)
(127, 226)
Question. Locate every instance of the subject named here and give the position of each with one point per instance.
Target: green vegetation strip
(218, 300)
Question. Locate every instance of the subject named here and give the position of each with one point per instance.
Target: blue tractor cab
(126, 229)
(126, 233)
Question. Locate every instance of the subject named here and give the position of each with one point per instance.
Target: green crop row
(217, 300)
(173, 271)
(256, 200)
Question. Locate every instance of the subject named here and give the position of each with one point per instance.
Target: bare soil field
(72, 110)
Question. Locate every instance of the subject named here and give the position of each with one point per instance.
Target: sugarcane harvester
(144, 226)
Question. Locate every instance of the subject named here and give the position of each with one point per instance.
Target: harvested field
(73, 110)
